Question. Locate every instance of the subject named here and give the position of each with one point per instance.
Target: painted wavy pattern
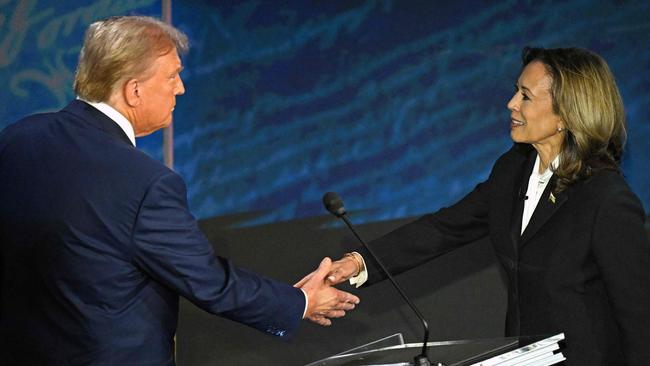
(397, 105)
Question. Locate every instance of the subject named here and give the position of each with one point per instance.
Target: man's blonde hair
(121, 48)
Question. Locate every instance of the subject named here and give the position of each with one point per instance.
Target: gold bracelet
(356, 260)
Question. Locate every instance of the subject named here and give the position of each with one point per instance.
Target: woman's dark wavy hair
(586, 98)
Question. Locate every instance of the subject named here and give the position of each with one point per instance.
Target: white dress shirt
(537, 183)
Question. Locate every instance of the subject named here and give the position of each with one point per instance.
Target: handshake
(324, 301)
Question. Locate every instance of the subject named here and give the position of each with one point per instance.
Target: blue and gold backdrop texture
(400, 106)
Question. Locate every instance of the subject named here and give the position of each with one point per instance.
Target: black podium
(392, 351)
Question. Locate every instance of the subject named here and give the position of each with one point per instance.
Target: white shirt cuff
(304, 312)
(362, 277)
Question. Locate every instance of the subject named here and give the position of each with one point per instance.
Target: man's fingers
(324, 322)
(345, 306)
(342, 270)
(343, 297)
(335, 273)
(332, 313)
(331, 278)
(323, 270)
(335, 314)
(320, 320)
(328, 302)
(304, 280)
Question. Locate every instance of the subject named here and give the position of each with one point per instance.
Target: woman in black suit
(564, 224)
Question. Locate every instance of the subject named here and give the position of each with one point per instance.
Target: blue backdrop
(400, 106)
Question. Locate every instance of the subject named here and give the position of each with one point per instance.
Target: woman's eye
(523, 94)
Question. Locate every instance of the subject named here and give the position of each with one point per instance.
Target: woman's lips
(514, 123)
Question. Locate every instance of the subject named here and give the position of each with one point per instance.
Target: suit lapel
(519, 192)
(96, 118)
(548, 204)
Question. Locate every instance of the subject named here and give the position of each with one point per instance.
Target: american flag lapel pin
(551, 198)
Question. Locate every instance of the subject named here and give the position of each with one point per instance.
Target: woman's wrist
(358, 262)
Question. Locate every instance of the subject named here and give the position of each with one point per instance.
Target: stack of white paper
(541, 353)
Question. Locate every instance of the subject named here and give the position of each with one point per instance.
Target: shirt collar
(116, 116)
(549, 170)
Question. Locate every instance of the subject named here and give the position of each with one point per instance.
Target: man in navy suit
(96, 239)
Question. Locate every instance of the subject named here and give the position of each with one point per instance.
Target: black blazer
(582, 266)
(96, 245)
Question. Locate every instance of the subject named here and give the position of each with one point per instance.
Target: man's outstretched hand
(324, 301)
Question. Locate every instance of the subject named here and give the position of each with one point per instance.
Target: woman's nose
(513, 104)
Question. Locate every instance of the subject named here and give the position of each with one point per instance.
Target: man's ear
(131, 92)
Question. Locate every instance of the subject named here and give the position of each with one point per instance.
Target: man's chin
(150, 131)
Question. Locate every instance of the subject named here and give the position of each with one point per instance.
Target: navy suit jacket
(96, 244)
(581, 266)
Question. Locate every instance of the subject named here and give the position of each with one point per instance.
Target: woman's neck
(546, 156)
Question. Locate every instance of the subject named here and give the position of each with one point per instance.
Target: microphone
(522, 195)
(334, 204)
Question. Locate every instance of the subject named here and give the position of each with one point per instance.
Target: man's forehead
(171, 59)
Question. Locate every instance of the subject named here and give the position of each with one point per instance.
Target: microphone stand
(421, 359)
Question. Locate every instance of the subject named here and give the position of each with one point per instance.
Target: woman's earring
(560, 129)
